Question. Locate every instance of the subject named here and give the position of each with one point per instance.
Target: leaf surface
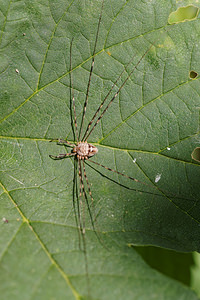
(148, 133)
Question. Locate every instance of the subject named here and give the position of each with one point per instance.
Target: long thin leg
(82, 223)
(90, 193)
(60, 156)
(106, 97)
(73, 99)
(84, 172)
(79, 201)
(82, 193)
(70, 84)
(136, 180)
(91, 70)
(116, 94)
(112, 180)
(120, 184)
(88, 206)
(109, 169)
(85, 196)
(76, 202)
(60, 141)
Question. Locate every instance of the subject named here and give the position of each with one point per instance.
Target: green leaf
(148, 133)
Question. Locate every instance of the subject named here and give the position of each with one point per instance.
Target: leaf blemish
(157, 178)
(182, 14)
(193, 74)
(4, 220)
(196, 154)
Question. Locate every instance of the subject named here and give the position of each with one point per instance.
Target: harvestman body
(84, 150)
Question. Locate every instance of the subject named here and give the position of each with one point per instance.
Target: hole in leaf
(196, 154)
(193, 74)
(183, 14)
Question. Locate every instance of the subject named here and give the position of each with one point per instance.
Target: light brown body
(84, 150)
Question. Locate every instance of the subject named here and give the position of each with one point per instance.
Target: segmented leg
(82, 196)
(85, 199)
(60, 156)
(88, 206)
(136, 180)
(60, 141)
(88, 186)
(72, 88)
(76, 205)
(90, 76)
(82, 221)
(109, 169)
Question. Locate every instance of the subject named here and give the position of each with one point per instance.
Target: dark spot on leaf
(193, 74)
(196, 154)
(183, 14)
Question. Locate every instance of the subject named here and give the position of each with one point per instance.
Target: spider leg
(76, 202)
(82, 221)
(62, 142)
(88, 206)
(61, 156)
(91, 70)
(88, 186)
(82, 195)
(72, 93)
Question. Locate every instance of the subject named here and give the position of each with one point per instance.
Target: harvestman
(82, 150)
